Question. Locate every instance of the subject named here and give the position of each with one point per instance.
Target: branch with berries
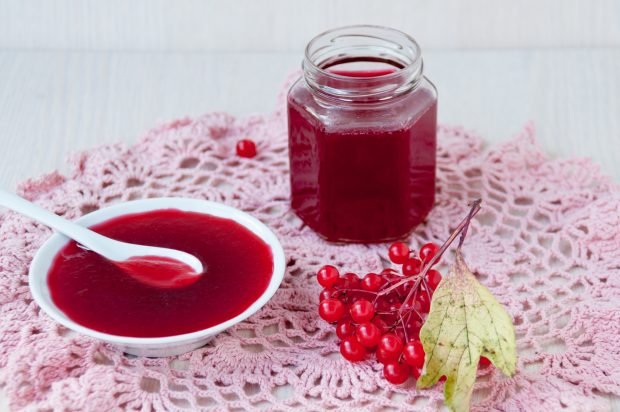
(400, 316)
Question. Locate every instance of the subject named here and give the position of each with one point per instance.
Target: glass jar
(362, 124)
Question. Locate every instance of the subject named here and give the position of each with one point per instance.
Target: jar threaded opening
(362, 44)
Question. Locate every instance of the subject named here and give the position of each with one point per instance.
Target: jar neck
(374, 64)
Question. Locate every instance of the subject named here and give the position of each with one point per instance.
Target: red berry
(416, 372)
(349, 281)
(395, 307)
(427, 251)
(368, 334)
(327, 293)
(404, 289)
(422, 304)
(331, 310)
(413, 329)
(391, 344)
(413, 354)
(393, 298)
(352, 350)
(384, 356)
(395, 373)
(412, 267)
(398, 252)
(362, 311)
(382, 304)
(246, 148)
(433, 277)
(372, 282)
(484, 362)
(443, 378)
(344, 329)
(381, 324)
(327, 276)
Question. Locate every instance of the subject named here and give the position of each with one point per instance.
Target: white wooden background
(79, 73)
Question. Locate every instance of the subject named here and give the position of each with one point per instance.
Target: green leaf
(464, 323)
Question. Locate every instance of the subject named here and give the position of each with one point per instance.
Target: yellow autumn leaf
(464, 323)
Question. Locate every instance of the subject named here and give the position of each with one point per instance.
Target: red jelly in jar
(362, 135)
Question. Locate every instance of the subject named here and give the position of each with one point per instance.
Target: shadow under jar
(362, 136)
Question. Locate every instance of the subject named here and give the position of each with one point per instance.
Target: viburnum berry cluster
(383, 313)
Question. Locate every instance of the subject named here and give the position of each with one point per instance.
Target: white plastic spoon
(155, 266)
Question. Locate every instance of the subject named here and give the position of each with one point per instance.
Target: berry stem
(461, 228)
(475, 208)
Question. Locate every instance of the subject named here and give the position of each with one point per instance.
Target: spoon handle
(82, 235)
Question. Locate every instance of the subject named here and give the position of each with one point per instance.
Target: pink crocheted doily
(547, 243)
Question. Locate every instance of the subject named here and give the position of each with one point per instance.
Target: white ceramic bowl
(169, 345)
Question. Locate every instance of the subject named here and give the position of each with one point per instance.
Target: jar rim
(315, 39)
(395, 46)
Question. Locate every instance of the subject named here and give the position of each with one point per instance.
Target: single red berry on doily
(246, 148)
(412, 267)
(362, 311)
(484, 362)
(345, 328)
(368, 334)
(413, 354)
(433, 278)
(395, 372)
(327, 276)
(372, 282)
(352, 350)
(331, 310)
(427, 251)
(398, 252)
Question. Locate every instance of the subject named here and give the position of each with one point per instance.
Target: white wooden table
(53, 103)
(74, 75)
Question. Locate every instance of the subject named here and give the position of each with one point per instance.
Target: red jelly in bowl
(362, 136)
(95, 293)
